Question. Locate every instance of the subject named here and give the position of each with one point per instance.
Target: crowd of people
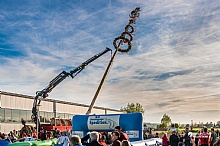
(116, 138)
(202, 138)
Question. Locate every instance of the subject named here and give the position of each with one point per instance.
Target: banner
(131, 123)
(99, 122)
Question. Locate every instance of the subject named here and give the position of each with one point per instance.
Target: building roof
(53, 100)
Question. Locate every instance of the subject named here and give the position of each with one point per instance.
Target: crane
(58, 79)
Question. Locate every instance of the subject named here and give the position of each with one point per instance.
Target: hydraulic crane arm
(58, 79)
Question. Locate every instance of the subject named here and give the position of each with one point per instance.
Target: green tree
(166, 120)
(176, 125)
(132, 108)
(162, 125)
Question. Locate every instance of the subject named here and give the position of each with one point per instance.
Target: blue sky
(173, 67)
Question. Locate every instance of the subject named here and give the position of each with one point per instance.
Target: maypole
(125, 38)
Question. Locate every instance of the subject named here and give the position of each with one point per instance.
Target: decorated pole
(125, 38)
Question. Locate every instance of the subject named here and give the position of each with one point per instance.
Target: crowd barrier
(50, 142)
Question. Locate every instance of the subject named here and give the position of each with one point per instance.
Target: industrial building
(14, 107)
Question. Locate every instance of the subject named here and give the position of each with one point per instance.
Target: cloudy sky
(173, 67)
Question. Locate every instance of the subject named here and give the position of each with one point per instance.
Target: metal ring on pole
(127, 33)
(124, 40)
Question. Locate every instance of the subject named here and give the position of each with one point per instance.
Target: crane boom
(58, 79)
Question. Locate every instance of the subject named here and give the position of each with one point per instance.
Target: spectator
(85, 139)
(75, 140)
(68, 132)
(115, 139)
(204, 138)
(14, 132)
(213, 137)
(44, 135)
(108, 138)
(180, 139)
(123, 135)
(157, 135)
(94, 137)
(50, 135)
(26, 138)
(56, 133)
(10, 138)
(187, 137)
(125, 143)
(174, 139)
(34, 134)
(102, 139)
(193, 141)
(63, 139)
(165, 141)
(197, 138)
(150, 135)
(217, 143)
(217, 132)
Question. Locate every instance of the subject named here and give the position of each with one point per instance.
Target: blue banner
(3, 143)
(131, 123)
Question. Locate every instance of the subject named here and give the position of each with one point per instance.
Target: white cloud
(172, 67)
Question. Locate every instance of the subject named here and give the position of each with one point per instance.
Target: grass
(180, 130)
(193, 130)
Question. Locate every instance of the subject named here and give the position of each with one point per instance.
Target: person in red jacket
(123, 135)
(102, 139)
(165, 141)
(204, 138)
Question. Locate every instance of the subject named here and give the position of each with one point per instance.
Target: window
(60, 115)
(2, 115)
(48, 115)
(42, 117)
(23, 115)
(29, 114)
(71, 116)
(8, 115)
(52, 122)
(15, 115)
(57, 122)
(66, 116)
